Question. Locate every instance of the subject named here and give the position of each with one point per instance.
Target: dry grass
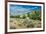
(16, 23)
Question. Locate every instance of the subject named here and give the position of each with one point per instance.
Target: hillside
(27, 20)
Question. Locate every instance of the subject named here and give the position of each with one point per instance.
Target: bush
(36, 15)
(18, 16)
(11, 16)
(24, 16)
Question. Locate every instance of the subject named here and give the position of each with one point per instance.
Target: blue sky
(22, 9)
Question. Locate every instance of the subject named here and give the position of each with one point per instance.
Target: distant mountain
(20, 13)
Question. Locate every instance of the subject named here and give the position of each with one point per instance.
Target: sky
(22, 9)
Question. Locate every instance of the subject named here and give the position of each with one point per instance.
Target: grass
(16, 23)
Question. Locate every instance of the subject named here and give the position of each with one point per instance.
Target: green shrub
(11, 16)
